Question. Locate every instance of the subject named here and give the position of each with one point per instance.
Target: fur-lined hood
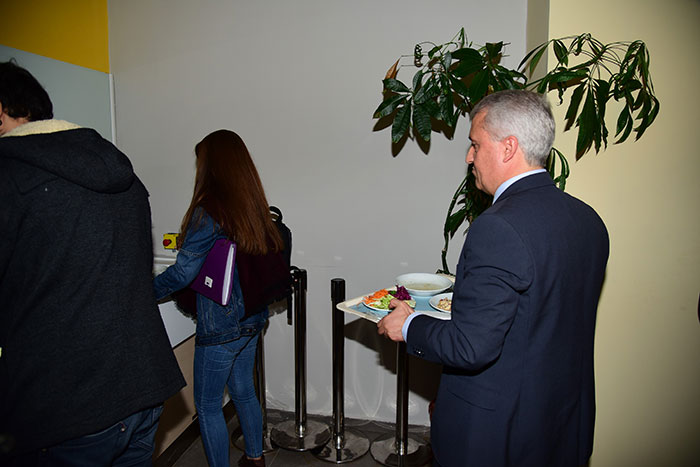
(41, 126)
(65, 150)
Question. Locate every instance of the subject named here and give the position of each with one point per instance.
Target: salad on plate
(380, 299)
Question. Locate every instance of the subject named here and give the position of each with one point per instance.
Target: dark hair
(21, 95)
(228, 187)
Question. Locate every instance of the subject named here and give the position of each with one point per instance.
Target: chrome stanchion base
(353, 445)
(384, 451)
(239, 442)
(285, 435)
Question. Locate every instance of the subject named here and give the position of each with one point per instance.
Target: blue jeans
(227, 365)
(129, 442)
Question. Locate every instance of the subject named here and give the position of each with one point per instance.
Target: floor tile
(194, 456)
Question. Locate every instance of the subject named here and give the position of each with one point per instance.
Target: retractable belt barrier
(300, 434)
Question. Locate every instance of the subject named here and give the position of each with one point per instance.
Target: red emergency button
(170, 241)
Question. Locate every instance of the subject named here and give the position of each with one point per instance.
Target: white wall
(299, 82)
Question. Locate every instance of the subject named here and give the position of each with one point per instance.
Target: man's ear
(510, 147)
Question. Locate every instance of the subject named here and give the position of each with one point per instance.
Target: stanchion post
(338, 322)
(300, 434)
(402, 407)
(262, 393)
(300, 354)
(344, 446)
(401, 449)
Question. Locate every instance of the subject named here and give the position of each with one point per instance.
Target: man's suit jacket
(517, 384)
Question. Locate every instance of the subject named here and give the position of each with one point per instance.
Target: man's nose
(470, 158)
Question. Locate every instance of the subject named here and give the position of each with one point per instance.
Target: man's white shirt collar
(504, 186)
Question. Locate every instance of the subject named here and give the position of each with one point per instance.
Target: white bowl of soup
(423, 284)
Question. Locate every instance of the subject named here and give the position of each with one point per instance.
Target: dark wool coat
(82, 341)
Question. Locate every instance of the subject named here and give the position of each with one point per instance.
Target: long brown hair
(227, 186)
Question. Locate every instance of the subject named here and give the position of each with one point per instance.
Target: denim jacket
(216, 324)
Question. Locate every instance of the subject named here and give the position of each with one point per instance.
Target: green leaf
(622, 120)
(427, 92)
(506, 79)
(628, 68)
(421, 122)
(466, 53)
(516, 75)
(432, 108)
(479, 86)
(537, 49)
(586, 126)
(389, 105)
(559, 179)
(420, 95)
(536, 60)
(493, 49)
(628, 125)
(470, 61)
(444, 84)
(447, 113)
(454, 221)
(642, 115)
(632, 85)
(574, 104)
(433, 51)
(395, 85)
(602, 96)
(568, 75)
(458, 86)
(447, 61)
(417, 79)
(579, 43)
(656, 106)
(462, 37)
(401, 123)
(649, 117)
(561, 52)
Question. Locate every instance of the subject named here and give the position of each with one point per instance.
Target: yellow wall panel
(75, 31)
(647, 345)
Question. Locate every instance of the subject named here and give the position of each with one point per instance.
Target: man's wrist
(404, 329)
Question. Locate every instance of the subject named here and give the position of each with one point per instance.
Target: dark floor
(194, 455)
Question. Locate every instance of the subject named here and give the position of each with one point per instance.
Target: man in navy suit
(517, 383)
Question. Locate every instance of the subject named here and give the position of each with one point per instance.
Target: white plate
(385, 310)
(381, 310)
(436, 299)
(411, 303)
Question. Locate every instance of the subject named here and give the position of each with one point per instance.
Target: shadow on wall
(423, 376)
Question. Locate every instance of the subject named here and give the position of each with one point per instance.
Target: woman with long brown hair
(228, 201)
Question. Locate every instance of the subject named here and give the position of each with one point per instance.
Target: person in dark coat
(85, 361)
(517, 385)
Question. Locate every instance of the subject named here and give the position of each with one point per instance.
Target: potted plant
(452, 77)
